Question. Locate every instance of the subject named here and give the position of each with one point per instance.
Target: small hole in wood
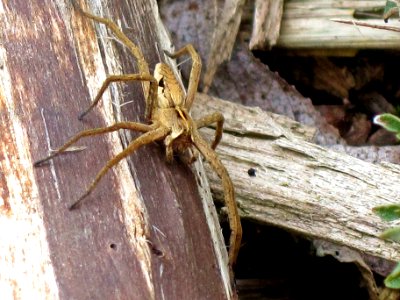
(113, 246)
(251, 172)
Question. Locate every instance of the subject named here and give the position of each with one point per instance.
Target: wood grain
(143, 233)
(300, 186)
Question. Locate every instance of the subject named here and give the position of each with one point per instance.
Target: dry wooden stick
(366, 24)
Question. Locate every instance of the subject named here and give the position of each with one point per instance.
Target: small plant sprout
(389, 122)
(389, 213)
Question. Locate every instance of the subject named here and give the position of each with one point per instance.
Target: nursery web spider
(167, 109)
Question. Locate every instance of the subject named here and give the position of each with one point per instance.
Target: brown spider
(167, 108)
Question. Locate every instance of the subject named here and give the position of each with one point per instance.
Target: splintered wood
(224, 38)
(267, 23)
(300, 186)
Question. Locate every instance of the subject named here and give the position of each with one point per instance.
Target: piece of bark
(142, 233)
(303, 187)
(266, 24)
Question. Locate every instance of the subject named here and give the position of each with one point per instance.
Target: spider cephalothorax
(167, 109)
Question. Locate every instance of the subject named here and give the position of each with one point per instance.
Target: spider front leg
(142, 64)
(229, 196)
(127, 77)
(194, 73)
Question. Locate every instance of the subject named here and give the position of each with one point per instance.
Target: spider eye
(161, 82)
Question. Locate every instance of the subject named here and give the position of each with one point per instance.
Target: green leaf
(388, 121)
(392, 234)
(390, 4)
(388, 212)
(393, 279)
(391, 8)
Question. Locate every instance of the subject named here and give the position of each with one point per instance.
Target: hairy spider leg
(216, 117)
(95, 131)
(127, 77)
(194, 72)
(146, 138)
(141, 62)
(229, 196)
(151, 133)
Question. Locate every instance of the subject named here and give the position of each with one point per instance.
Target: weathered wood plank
(143, 233)
(308, 25)
(303, 187)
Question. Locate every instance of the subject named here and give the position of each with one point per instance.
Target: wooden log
(300, 186)
(143, 232)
